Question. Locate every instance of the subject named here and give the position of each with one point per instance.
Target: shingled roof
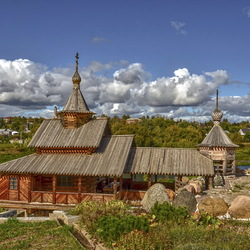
(217, 138)
(76, 103)
(169, 161)
(51, 133)
(109, 160)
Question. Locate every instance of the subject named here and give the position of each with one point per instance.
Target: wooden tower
(75, 112)
(219, 147)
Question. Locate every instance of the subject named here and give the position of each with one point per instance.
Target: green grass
(10, 152)
(243, 153)
(168, 228)
(40, 235)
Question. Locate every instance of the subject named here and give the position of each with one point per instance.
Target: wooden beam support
(79, 189)
(115, 187)
(120, 191)
(54, 188)
(208, 182)
(29, 187)
(149, 180)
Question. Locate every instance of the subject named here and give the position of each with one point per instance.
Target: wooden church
(78, 159)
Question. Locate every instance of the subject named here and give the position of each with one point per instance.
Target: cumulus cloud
(178, 26)
(115, 88)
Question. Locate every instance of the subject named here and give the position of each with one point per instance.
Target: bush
(157, 238)
(111, 227)
(91, 211)
(166, 212)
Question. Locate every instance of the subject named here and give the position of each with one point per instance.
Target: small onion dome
(76, 79)
(217, 115)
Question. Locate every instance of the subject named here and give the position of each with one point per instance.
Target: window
(13, 183)
(64, 181)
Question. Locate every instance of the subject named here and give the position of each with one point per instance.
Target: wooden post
(8, 186)
(149, 180)
(208, 182)
(234, 167)
(120, 191)
(29, 187)
(115, 187)
(79, 188)
(224, 167)
(19, 183)
(54, 188)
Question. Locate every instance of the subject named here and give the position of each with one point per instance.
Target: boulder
(171, 194)
(185, 179)
(213, 206)
(185, 199)
(189, 188)
(197, 186)
(155, 193)
(240, 207)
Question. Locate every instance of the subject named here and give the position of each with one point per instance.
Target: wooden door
(13, 186)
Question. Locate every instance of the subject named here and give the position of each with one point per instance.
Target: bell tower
(218, 146)
(76, 111)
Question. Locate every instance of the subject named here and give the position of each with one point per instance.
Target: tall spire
(217, 114)
(76, 79)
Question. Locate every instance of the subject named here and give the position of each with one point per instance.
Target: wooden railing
(68, 197)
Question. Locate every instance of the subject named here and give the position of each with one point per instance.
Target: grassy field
(243, 153)
(10, 152)
(41, 235)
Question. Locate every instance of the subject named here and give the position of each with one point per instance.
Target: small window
(64, 181)
(13, 183)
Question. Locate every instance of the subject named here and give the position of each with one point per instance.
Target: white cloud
(246, 11)
(28, 88)
(178, 26)
(98, 40)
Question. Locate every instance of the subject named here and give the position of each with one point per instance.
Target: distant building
(7, 119)
(6, 132)
(133, 120)
(243, 131)
(17, 141)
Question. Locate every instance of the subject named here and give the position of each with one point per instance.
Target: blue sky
(181, 51)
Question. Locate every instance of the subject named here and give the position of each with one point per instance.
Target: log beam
(79, 188)
(54, 188)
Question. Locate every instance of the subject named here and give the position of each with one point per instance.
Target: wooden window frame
(64, 181)
(13, 183)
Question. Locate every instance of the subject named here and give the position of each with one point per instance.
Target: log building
(78, 159)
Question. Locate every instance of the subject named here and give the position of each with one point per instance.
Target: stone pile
(234, 203)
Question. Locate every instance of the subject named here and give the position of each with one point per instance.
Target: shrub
(157, 238)
(91, 211)
(166, 212)
(111, 227)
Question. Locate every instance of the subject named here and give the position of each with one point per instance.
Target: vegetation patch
(39, 235)
(165, 227)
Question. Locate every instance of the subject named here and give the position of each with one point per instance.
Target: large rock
(197, 186)
(213, 206)
(240, 207)
(156, 193)
(171, 194)
(185, 179)
(185, 199)
(189, 188)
